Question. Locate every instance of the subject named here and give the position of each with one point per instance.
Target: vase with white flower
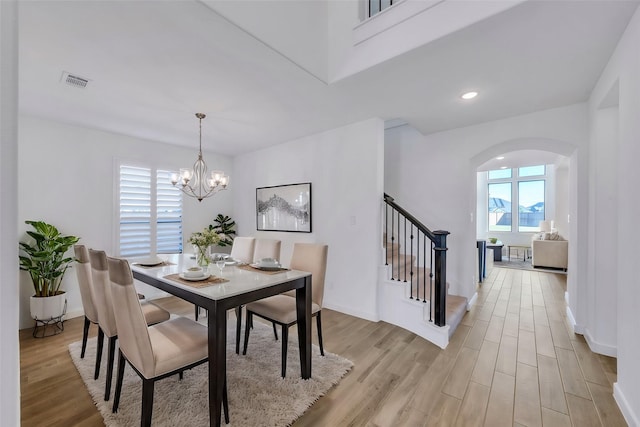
(201, 240)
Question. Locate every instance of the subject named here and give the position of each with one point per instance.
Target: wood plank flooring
(513, 361)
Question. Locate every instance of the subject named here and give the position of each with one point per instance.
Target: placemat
(212, 280)
(249, 268)
(163, 264)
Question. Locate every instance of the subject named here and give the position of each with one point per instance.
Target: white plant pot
(48, 308)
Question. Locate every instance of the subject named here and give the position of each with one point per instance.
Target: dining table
(239, 286)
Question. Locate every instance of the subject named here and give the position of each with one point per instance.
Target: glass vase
(202, 256)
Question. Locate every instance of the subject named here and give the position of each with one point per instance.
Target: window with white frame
(150, 212)
(376, 6)
(526, 185)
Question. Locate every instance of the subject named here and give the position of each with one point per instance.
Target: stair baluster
(437, 258)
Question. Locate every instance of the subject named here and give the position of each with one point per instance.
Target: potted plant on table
(202, 240)
(44, 259)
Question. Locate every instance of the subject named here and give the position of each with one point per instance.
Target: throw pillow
(554, 236)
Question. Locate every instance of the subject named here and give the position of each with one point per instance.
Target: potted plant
(201, 241)
(44, 259)
(224, 226)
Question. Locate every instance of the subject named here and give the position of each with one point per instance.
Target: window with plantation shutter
(150, 212)
(169, 215)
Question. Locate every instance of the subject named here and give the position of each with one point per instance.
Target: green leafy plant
(44, 257)
(224, 226)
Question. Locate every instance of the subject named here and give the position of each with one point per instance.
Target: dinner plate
(205, 276)
(268, 268)
(151, 262)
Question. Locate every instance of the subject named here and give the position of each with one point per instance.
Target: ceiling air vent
(73, 80)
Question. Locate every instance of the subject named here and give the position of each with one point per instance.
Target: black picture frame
(284, 208)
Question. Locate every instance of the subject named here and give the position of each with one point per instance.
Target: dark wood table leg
(303, 311)
(217, 323)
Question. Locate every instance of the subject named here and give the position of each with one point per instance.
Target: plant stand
(56, 326)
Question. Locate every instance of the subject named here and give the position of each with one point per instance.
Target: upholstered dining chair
(83, 273)
(154, 352)
(281, 309)
(102, 288)
(266, 248)
(263, 248)
(242, 249)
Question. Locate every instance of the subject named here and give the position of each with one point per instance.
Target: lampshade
(545, 226)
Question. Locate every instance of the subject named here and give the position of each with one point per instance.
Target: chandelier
(194, 182)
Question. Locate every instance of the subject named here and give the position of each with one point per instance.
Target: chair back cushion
(312, 257)
(133, 334)
(83, 273)
(266, 248)
(102, 290)
(242, 249)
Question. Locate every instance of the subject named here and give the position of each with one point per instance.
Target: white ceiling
(520, 158)
(154, 64)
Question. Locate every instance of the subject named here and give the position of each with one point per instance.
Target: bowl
(193, 272)
(268, 262)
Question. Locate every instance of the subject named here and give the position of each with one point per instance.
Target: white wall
(355, 45)
(601, 288)
(434, 176)
(622, 71)
(67, 177)
(345, 168)
(296, 29)
(561, 219)
(10, 352)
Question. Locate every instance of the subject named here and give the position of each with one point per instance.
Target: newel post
(440, 277)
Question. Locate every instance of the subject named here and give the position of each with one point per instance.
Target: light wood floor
(513, 361)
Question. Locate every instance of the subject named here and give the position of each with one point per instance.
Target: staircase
(414, 292)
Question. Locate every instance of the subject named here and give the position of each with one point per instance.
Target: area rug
(519, 264)
(258, 395)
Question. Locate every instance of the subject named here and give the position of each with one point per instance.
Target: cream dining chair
(102, 287)
(281, 309)
(263, 248)
(154, 352)
(266, 248)
(83, 273)
(242, 251)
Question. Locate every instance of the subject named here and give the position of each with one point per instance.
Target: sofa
(549, 250)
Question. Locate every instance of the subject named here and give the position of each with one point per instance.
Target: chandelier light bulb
(469, 95)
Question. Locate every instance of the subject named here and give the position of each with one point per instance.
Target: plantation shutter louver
(135, 211)
(169, 215)
(150, 213)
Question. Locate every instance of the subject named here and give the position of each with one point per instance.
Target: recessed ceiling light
(503, 167)
(500, 158)
(469, 95)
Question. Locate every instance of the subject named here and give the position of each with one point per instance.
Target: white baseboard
(373, 317)
(627, 410)
(578, 329)
(73, 314)
(597, 347)
(472, 301)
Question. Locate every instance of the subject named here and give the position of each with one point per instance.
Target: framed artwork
(284, 208)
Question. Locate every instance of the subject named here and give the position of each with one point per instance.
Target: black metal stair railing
(414, 270)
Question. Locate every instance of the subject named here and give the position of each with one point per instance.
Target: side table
(497, 249)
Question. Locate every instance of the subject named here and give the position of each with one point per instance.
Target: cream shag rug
(258, 395)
